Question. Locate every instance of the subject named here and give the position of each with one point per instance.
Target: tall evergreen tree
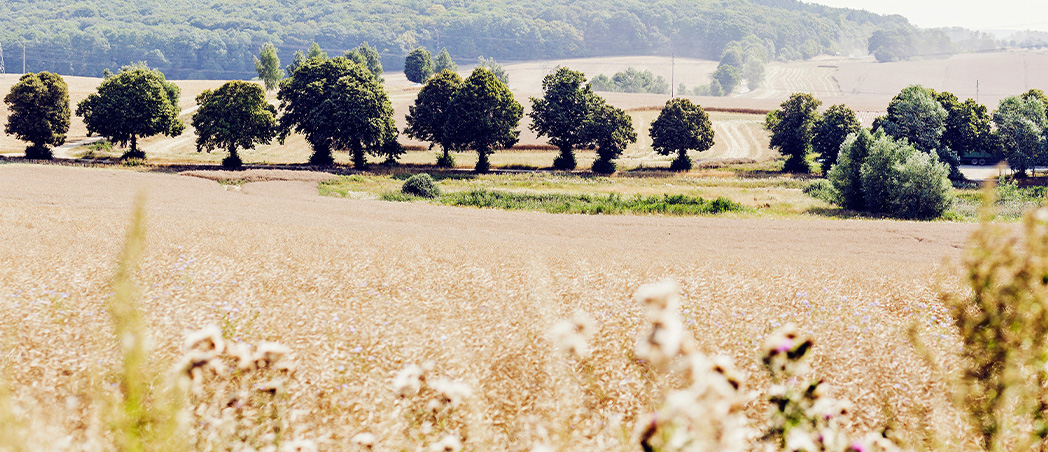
(443, 62)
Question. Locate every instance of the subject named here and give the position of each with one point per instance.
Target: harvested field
(360, 289)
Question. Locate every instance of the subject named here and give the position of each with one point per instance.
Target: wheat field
(360, 290)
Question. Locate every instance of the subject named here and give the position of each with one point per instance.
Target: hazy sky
(976, 14)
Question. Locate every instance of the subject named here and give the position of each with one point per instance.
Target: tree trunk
(232, 161)
(321, 154)
(359, 162)
(134, 153)
(482, 161)
(566, 159)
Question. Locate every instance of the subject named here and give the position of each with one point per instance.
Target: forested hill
(217, 38)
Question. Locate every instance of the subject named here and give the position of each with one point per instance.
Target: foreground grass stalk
(141, 421)
(1001, 315)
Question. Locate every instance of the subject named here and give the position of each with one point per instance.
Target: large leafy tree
(792, 127)
(236, 115)
(337, 104)
(561, 112)
(968, 125)
(1021, 124)
(267, 65)
(427, 117)
(728, 76)
(610, 129)
(418, 65)
(495, 68)
(836, 124)
(314, 53)
(681, 127)
(846, 174)
(443, 62)
(1036, 94)
(367, 55)
(915, 114)
(135, 102)
(39, 112)
(484, 116)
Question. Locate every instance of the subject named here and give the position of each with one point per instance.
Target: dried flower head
(663, 341)
(207, 340)
(572, 337)
(449, 443)
(300, 445)
(658, 297)
(364, 440)
(408, 382)
(450, 392)
(269, 354)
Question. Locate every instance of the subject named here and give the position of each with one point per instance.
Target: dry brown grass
(360, 289)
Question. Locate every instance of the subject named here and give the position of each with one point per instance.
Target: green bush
(877, 174)
(421, 185)
(821, 189)
(900, 181)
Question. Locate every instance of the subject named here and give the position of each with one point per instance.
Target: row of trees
(903, 165)
(339, 104)
(930, 121)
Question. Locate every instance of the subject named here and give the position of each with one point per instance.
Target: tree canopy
(1022, 125)
(267, 65)
(428, 115)
(968, 125)
(835, 125)
(443, 62)
(916, 115)
(631, 80)
(39, 112)
(418, 66)
(484, 116)
(338, 105)
(610, 129)
(235, 115)
(367, 55)
(681, 127)
(135, 102)
(792, 128)
(561, 113)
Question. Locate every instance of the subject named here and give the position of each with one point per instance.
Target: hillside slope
(217, 38)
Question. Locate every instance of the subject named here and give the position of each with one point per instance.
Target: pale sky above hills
(974, 14)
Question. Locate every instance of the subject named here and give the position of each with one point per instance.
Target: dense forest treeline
(217, 38)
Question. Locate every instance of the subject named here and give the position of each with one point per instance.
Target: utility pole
(673, 70)
(2, 70)
(23, 56)
(976, 91)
